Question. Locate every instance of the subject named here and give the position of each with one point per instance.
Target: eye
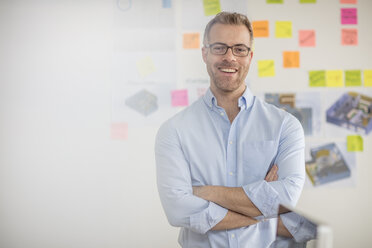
(240, 49)
(219, 48)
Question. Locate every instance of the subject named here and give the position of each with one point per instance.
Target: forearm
(234, 220)
(282, 230)
(232, 198)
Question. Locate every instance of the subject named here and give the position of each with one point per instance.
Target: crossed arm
(241, 209)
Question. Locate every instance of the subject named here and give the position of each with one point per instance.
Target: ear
(204, 54)
(250, 56)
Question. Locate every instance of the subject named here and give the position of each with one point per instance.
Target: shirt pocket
(257, 157)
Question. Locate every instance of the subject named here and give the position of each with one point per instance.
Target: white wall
(64, 182)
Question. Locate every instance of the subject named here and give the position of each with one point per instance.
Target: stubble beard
(224, 84)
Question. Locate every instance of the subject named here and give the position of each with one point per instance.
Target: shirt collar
(244, 102)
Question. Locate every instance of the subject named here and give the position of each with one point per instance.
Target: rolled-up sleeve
(267, 196)
(181, 207)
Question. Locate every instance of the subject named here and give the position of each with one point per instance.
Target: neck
(228, 100)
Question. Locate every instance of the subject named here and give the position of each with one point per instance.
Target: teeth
(227, 70)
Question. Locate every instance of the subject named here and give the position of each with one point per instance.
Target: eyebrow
(239, 44)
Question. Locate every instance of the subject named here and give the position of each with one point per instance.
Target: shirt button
(230, 173)
(232, 235)
(222, 114)
(230, 142)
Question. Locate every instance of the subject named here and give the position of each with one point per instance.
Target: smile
(229, 70)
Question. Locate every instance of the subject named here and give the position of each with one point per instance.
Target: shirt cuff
(264, 197)
(301, 229)
(202, 222)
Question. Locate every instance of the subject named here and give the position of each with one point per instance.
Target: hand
(272, 175)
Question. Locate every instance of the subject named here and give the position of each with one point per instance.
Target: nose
(229, 55)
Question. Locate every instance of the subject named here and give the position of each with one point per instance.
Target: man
(226, 162)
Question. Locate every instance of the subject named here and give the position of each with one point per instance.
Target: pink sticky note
(348, 1)
(119, 131)
(349, 37)
(306, 38)
(201, 91)
(180, 98)
(349, 16)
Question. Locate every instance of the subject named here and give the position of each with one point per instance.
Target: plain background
(65, 183)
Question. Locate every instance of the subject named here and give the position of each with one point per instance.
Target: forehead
(229, 34)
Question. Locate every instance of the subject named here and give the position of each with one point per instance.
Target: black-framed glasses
(239, 50)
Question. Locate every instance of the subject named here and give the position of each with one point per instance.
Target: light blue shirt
(199, 146)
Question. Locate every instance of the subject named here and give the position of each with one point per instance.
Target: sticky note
(349, 16)
(274, 1)
(145, 66)
(317, 78)
(353, 78)
(348, 1)
(266, 68)
(349, 37)
(211, 7)
(260, 28)
(283, 29)
(367, 78)
(119, 131)
(167, 4)
(334, 78)
(306, 38)
(354, 143)
(180, 98)
(201, 91)
(191, 41)
(291, 59)
(307, 1)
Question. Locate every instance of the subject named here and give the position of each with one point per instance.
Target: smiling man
(226, 162)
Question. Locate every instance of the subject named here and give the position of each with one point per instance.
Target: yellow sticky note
(145, 66)
(334, 78)
(260, 28)
(367, 78)
(266, 68)
(274, 1)
(354, 143)
(191, 41)
(211, 7)
(283, 29)
(291, 59)
(317, 78)
(353, 78)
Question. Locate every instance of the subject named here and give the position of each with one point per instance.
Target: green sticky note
(274, 1)
(307, 1)
(211, 7)
(283, 29)
(354, 143)
(266, 68)
(317, 78)
(353, 78)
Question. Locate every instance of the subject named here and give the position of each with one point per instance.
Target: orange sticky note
(191, 41)
(260, 28)
(119, 131)
(349, 36)
(291, 59)
(306, 38)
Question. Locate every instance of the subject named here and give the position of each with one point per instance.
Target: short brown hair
(230, 18)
